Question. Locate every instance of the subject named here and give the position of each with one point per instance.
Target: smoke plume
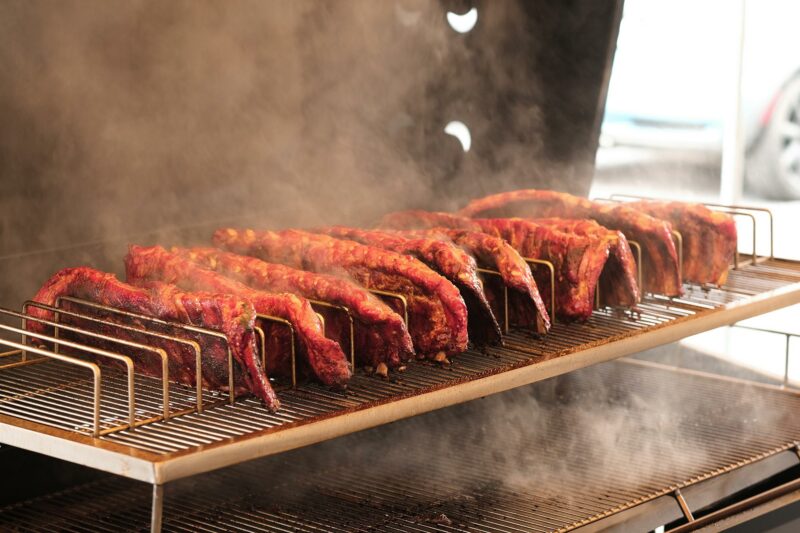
(155, 122)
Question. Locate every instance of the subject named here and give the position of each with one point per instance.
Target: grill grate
(56, 394)
(555, 473)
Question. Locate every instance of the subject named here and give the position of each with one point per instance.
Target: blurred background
(704, 103)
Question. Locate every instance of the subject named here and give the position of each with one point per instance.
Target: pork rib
(445, 258)
(324, 356)
(418, 219)
(381, 336)
(233, 317)
(526, 307)
(437, 314)
(578, 261)
(660, 271)
(618, 285)
(709, 237)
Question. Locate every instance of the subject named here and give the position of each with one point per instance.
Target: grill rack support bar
(157, 508)
(678, 238)
(552, 272)
(683, 505)
(639, 267)
(506, 319)
(292, 343)
(345, 310)
(396, 296)
(786, 352)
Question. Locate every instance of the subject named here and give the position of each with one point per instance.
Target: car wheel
(773, 166)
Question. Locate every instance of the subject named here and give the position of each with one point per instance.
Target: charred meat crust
(324, 356)
(443, 256)
(381, 336)
(527, 309)
(709, 237)
(661, 272)
(437, 313)
(231, 316)
(578, 261)
(618, 285)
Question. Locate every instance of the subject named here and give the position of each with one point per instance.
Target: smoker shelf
(609, 445)
(225, 434)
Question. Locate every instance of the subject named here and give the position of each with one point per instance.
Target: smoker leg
(157, 508)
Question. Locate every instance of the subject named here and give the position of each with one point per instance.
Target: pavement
(694, 176)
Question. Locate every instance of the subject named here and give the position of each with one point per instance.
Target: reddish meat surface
(709, 237)
(381, 335)
(323, 355)
(232, 316)
(618, 285)
(417, 219)
(437, 313)
(578, 261)
(660, 269)
(443, 256)
(526, 307)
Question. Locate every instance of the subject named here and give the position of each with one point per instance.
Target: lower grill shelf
(604, 446)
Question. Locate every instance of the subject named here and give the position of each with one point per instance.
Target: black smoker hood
(157, 123)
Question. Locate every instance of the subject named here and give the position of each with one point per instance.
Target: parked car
(672, 83)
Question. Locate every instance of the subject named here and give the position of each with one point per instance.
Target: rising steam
(157, 122)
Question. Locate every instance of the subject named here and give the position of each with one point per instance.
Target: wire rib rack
(49, 402)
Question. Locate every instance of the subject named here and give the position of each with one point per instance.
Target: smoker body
(160, 123)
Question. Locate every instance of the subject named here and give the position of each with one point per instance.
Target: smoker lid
(120, 122)
(530, 82)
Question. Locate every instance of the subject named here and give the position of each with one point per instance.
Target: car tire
(773, 165)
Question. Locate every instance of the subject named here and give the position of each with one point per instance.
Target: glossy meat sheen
(437, 314)
(709, 237)
(418, 219)
(578, 261)
(660, 272)
(324, 356)
(618, 285)
(229, 315)
(445, 258)
(381, 335)
(526, 307)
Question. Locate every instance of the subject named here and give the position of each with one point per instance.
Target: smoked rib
(578, 261)
(324, 356)
(526, 307)
(381, 336)
(418, 219)
(709, 237)
(660, 269)
(437, 313)
(233, 317)
(445, 258)
(618, 284)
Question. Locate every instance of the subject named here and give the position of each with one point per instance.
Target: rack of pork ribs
(265, 308)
